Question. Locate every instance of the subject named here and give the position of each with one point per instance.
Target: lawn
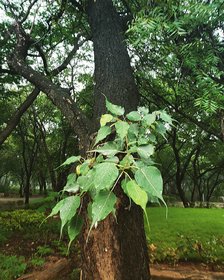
(192, 234)
(185, 235)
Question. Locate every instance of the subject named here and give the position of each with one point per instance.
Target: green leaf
(127, 161)
(134, 116)
(74, 228)
(103, 132)
(143, 140)
(71, 185)
(143, 110)
(145, 151)
(102, 206)
(120, 143)
(85, 182)
(105, 119)
(139, 164)
(68, 210)
(122, 128)
(152, 138)
(148, 161)
(109, 149)
(132, 149)
(133, 132)
(105, 175)
(70, 160)
(137, 194)
(149, 119)
(160, 128)
(150, 179)
(124, 185)
(165, 117)
(84, 168)
(112, 159)
(99, 158)
(56, 209)
(114, 109)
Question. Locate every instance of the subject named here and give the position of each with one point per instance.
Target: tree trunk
(27, 190)
(113, 73)
(181, 192)
(117, 249)
(47, 155)
(42, 182)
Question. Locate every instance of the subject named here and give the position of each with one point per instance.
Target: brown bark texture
(113, 73)
(117, 248)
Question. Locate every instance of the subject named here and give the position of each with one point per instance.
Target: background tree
(178, 54)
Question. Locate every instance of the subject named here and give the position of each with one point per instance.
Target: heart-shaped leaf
(103, 132)
(105, 175)
(114, 109)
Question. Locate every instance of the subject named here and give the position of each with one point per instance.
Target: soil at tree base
(183, 271)
(188, 271)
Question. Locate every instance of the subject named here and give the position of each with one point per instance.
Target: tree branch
(17, 115)
(65, 63)
(28, 11)
(59, 96)
(6, 71)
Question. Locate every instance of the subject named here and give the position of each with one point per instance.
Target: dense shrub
(20, 219)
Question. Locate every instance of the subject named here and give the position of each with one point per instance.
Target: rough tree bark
(113, 72)
(117, 248)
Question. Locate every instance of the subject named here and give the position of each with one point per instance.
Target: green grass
(190, 234)
(11, 267)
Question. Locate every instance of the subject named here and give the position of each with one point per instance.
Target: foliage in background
(195, 235)
(29, 242)
(178, 58)
(21, 219)
(185, 39)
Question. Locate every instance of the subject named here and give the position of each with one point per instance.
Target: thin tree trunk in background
(62, 175)
(180, 171)
(117, 249)
(47, 155)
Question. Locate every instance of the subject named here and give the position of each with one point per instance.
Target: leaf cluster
(121, 156)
